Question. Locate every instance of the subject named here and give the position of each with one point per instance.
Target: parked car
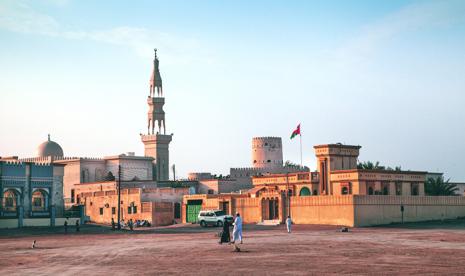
(213, 217)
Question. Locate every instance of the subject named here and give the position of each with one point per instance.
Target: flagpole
(301, 149)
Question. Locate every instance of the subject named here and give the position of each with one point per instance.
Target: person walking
(112, 224)
(66, 226)
(77, 225)
(131, 225)
(225, 235)
(237, 231)
(288, 224)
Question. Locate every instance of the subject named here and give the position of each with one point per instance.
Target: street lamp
(119, 197)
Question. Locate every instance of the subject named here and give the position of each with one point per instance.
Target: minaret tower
(156, 142)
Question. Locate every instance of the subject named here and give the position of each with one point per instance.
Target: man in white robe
(237, 230)
(288, 224)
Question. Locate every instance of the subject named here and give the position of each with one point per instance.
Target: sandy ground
(417, 249)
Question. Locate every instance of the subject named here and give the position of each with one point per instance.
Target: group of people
(66, 225)
(131, 224)
(237, 231)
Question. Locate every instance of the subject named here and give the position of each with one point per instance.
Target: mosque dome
(49, 148)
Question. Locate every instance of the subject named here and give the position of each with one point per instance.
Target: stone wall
(249, 208)
(162, 214)
(333, 210)
(378, 210)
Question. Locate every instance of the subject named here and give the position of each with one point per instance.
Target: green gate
(193, 210)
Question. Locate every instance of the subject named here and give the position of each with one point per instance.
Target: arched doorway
(10, 200)
(305, 192)
(344, 190)
(270, 209)
(39, 201)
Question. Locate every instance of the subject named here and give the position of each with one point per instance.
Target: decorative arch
(11, 200)
(305, 192)
(39, 201)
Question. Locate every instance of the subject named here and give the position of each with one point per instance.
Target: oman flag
(296, 132)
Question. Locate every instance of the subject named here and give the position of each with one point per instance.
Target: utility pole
(287, 195)
(174, 172)
(119, 197)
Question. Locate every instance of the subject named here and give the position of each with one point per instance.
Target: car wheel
(219, 223)
(203, 224)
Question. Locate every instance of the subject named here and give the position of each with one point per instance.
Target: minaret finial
(155, 50)
(49, 136)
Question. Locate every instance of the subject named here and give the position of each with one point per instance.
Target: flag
(296, 132)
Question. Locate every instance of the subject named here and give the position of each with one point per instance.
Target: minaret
(156, 142)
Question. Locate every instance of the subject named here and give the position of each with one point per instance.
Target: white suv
(213, 217)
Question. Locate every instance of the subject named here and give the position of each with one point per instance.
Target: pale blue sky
(387, 75)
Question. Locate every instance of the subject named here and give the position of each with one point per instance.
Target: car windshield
(219, 213)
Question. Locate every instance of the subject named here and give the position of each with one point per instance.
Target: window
(219, 213)
(9, 202)
(398, 188)
(305, 192)
(177, 210)
(113, 210)
(129, 210)
(37, 202)
(134, 209)
(269, 161)
(345, 190)
(10, 198)
(370, 190)
(72, 195)
(415, 189)
(209, 215)
(210, 192)
(101, 211)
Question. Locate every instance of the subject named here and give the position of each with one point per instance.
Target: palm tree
(439, 187)
(289, 163)
(368, 165)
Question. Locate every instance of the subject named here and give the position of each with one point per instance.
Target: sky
(386, 75)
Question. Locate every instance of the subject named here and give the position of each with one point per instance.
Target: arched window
(344, 190)
(415, 189)
(39, 201)
(305, 192)
(10, 200)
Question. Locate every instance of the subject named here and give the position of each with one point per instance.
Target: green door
(193, 210)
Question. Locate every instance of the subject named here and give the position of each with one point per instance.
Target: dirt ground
(426, 249)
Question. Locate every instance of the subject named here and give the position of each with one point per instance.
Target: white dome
(49, 148)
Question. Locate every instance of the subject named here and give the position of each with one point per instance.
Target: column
(377, 187)
(362, 188)
(406, 189)
(392, 188)
(421, 189)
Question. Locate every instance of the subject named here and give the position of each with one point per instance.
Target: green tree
(440, 187)
(109, 177)
(368, 165)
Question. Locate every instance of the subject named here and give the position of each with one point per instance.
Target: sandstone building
(338, 193)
